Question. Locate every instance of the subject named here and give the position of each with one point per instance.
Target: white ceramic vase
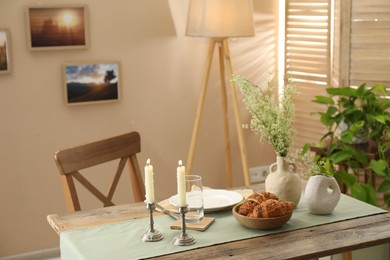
(283, 181)
(322, 194)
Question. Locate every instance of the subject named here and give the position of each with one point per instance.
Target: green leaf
(323, 100)
(346, 136)
(360, 91)
(386, 198)
(345, 91)
(385, 186)
(358, 124)
(385, 104)
(338, 176)
(378, 166)
(340, 156)
(386, 146)
(360, 156)
(364, 192)
(359, 192)
(348, 179)
(370, 193)
(305, 148)
(370, 118)
(379, 88)
(326, 119)
(328, 166)
(331, 148)
(331, 110)
(382, 118)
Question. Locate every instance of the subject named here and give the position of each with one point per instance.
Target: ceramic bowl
(260, 223)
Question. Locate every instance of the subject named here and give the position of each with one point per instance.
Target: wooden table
(307, 243)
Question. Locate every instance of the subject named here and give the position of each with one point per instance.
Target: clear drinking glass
(194, 197)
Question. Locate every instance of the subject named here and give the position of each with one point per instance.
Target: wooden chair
(122, 148)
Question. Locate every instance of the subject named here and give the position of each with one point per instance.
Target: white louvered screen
(335, 77)
(370, 42)
(307, 60)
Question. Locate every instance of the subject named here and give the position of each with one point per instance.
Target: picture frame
(57, 27)
(92, 82)
(5, 51)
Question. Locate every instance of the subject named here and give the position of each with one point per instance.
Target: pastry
(265, 205)
(247, 206)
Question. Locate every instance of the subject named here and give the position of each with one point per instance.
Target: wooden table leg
(346, 256)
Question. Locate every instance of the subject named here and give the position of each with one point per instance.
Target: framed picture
(87, 83)
(5, 51)
(57, 27)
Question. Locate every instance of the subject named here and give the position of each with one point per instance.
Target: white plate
(216, 200)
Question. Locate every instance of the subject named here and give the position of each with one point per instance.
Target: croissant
(265, 205)
(263, 196)
(247, 206)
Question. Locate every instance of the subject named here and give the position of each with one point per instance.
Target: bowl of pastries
(263, 210)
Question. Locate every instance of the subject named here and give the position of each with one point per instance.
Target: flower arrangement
(272, 114)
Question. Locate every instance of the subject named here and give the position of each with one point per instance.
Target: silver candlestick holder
(183, 239)
(151, 235)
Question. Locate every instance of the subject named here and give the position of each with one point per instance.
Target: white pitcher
(322, 194)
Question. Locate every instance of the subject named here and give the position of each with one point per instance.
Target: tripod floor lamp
(219, 20)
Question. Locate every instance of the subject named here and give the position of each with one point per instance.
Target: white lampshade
(220, 18)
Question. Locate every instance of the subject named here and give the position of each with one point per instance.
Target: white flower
(272, 117)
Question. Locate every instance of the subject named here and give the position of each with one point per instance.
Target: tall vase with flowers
(272, 115)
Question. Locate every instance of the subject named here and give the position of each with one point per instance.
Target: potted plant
(349, 113)
(272, 117)
(322, 191)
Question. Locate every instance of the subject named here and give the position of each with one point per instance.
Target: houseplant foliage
(271, 114)
(361, 110)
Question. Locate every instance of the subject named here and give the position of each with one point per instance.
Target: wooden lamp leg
(224, 56)
(199, 110)
(228, 160)
(236, 108)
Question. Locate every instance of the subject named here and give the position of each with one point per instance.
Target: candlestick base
(151, 235)
(183, 239)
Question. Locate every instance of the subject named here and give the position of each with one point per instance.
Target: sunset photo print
(57, 27)
(5, 46)
(91, 82)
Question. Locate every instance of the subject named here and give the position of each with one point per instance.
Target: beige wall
(161, 76)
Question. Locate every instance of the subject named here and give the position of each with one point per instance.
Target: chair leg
(71, 198)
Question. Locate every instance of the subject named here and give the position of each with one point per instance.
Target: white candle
(181, 185)
(149, 183)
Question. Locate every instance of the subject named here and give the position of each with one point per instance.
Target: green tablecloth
(123, 240)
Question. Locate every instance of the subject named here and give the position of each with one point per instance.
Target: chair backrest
(122, 148)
